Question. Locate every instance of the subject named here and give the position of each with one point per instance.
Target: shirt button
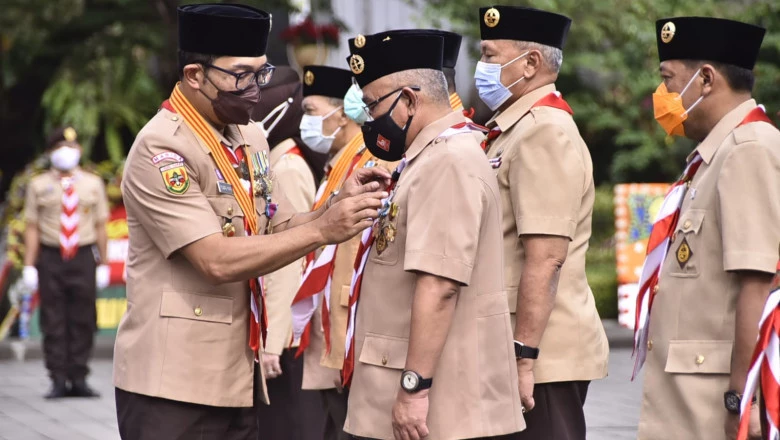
(687, 224)
(384, 359)
(674, 237)
(699, 359)
(198, 311)
(437, 140)
(655, 288)
(650, 345)
(230, 210)
(175, 118)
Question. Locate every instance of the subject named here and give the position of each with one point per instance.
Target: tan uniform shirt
(43, 205)
(322, 370)
(294, 175)
(546, 181)
(730, 221)
(448, 225)
(183, 338)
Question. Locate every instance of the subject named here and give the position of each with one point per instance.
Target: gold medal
(393, 210)
(381, 243)
(390, 231)
(228, 230)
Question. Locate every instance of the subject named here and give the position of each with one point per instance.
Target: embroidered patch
(684, 253)
(167, 155)
(383, 143)
(219, 174)
(495, 162)
(175, 177)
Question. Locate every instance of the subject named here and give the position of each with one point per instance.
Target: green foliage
(600, 260)
(610, 70)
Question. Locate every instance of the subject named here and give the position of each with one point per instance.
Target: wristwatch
(411, 382)
(733, 400)
(523, 351)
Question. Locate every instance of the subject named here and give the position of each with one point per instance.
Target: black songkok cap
(223, 30)
(523, 24)
(378, 55)
(326, 81)
(709, 39)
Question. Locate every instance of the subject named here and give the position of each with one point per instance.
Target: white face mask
(275, 116)
(65, 158)
(312, 135)
(487, 78)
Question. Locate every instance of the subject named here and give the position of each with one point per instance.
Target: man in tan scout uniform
(280, 109)
(431, 355)
(200, 199)
(546, 179)
(723, 250)
(66, 211)
(327, 129)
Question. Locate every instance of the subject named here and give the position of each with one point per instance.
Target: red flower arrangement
(307, 32)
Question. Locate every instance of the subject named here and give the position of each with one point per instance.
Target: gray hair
(432, 83)
(552, 56)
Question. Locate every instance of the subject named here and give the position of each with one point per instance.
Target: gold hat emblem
(69, 134)
(360, 41)
(357, 64)
(492, 17)
(308, 78)
(667, 32)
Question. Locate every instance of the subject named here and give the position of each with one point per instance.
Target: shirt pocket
(384, 351)
(686, 247)
(699, 357)
(227, 211)
(177, 304)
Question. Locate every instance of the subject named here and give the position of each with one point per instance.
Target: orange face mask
(669, 111)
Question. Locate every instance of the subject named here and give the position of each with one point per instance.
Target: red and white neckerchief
(765, 369)
(553, 99)
(366, 241)
(658, 244)
(69, 219)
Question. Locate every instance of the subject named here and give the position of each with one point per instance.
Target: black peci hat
(709, 39)
(326, 81)
(223, 30)
(523, 24)
(378, 55)
(62, 136)
(451, 43)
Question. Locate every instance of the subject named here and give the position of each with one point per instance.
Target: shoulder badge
(175, 177)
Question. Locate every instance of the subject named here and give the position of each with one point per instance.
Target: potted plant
(309, 42)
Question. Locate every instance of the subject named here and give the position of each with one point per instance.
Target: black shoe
(79, 388)
(58, 390)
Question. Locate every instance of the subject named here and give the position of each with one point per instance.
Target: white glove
(102, 276)
(30, 277)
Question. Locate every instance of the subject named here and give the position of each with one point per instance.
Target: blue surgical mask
(353, 105)
(312, 134)
(487, 78)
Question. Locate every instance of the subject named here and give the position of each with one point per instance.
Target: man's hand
(350, 215)
(30, 278)
(271, 365)
(525, 382)
(102, 276)
(410, 415)
(374, 179)
(754, 427)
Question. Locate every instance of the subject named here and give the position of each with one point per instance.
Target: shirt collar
(431, 132)
(722, 129)
(507, 118)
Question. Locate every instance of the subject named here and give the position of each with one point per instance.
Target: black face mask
(234, 107)
(384, 138)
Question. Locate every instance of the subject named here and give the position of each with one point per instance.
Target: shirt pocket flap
(384, 351)
(691, 221)
(703, 357)
(226, 207)
(197, 307)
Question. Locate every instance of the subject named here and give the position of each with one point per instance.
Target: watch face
(409, 381)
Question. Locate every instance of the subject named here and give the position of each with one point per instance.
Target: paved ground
(612, 408)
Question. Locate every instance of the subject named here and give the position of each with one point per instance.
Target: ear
(193, 76)
(709, 77)
(533, 64)
(412, 100)
(343, 119)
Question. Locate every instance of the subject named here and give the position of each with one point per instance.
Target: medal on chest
(384, 228)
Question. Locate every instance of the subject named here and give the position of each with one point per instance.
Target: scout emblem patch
(667, 32)
(492, 17)
(383, 143)
(357, 64)
(176, 178)
(684, 253)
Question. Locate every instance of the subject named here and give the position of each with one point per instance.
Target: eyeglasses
(245, 79)
(368, 107)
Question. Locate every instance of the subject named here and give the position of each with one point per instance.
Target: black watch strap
(523, 351)
(425, 384)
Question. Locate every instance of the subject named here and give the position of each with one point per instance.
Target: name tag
(224, 188)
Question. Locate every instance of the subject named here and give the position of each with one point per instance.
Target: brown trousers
(558, 413)
(294, 414)
(143, 417)
(68, 316)
(335, 404)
